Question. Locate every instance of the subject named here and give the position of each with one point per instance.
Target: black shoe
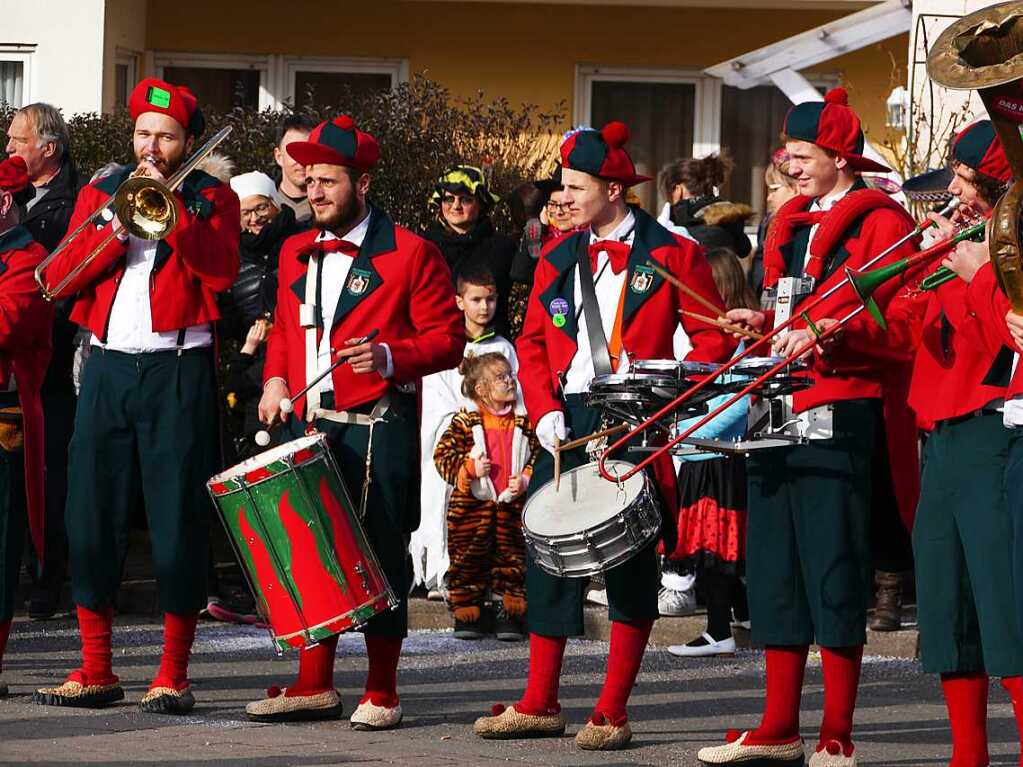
(44, 600)
(466, 630)
(506, 628)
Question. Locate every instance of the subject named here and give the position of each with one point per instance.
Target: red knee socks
(545, 656)
(780, 722)
(841, 668)
(315, 669)
(1014, 686)
(5, 631)
(178, 636)
(95, 627)
(628, 642)
(966, 700)
(382, 679)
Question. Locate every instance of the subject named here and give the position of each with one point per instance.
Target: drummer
(561, 348)
(808, 567)
(375, 276)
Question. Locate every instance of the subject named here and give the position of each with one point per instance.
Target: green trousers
(145, 431)
(555, 605)
(392, 509)
(962, 543)
(808, 563)
(13, 525)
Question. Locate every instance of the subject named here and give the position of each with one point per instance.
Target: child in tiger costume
(487, 456)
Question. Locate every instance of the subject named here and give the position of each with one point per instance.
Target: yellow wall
(524, 52)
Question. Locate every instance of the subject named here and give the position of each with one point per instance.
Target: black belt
(969, 416)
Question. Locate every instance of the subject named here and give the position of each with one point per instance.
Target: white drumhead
(267, 457)
(583, 500)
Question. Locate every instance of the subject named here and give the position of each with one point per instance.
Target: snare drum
(791, 378)
(300, 543)
(590, 524)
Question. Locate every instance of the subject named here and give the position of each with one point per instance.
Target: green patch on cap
(158, 97)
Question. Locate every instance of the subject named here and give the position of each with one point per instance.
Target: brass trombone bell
(146, 208)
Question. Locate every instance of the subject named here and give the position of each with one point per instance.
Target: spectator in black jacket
(464, 232)
(37, 134)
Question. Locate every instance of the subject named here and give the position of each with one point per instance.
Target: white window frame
(23, 54)
(262, 64)
(706, 106)
(288, 67)
(130, 59)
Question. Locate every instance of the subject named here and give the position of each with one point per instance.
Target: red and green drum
(300, 542)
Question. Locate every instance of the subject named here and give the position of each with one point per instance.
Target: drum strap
(591, 309)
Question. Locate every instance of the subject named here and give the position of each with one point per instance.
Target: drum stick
(590, 437)
(262, 437)
(750, 334)
(557, 464)
(684, 288)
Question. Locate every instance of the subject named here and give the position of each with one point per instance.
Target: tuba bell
(984, 51)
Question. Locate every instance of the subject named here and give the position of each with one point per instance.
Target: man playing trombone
(146, 421)
(809, 568)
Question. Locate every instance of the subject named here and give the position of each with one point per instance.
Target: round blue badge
(559, 306)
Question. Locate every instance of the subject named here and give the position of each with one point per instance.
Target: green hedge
(421, 128)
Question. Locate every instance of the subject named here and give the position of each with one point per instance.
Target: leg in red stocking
(780, 723)
(608, 728)
(94, 684)
(1014, 686)
(169, 693)
(379, 709)
(538, 714)
(966, 700)
(841, 667)
(312, 696)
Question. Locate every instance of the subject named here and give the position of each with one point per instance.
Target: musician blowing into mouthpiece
(146, 420)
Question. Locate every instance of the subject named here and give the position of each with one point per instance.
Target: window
(125, 76)
(218, 90)
(12, 83)
(750, 125)
(670, 114)
(332, 88)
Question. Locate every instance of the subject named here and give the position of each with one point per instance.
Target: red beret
(337, 142)
(602, 154)
(152, 95)
(13, 174)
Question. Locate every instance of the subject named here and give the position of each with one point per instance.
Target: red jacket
(866, 361)
(987, 304)
(197, 260)
(403, 290)
(26, 322)
(649, 318)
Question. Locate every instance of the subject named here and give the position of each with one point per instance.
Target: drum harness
(309, 316)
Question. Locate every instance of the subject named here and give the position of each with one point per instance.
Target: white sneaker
(738, 624)
(597, 597)
(710, 649)
(676, 603)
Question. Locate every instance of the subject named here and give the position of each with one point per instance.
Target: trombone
(144, 207)
(863, 283)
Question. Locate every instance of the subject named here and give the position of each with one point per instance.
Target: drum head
(584, 500)
(267, 457)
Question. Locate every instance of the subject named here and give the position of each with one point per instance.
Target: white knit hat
(256, 182)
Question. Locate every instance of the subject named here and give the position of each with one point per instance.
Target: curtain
(12, 83)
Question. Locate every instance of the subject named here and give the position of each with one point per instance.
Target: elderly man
(292, 187)
(39, 136)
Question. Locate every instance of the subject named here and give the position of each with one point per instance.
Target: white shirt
(608, 287)
(334, 269)
(130, 328)
(1012, 411)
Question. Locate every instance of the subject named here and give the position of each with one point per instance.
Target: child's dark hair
(699, 176)
(731, 280)
(474, 273)
(474, 367)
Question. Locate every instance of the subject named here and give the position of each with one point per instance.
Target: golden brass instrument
(145, 208)
(984, 51)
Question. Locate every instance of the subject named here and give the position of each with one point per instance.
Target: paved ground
(676, 708)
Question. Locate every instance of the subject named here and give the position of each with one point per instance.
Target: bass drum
(588, 524)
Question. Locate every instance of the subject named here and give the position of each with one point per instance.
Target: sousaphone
(984, 51)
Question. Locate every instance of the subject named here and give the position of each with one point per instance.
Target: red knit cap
(177, 101)
(832, 124)
(337, 142)
(601, 154)
(13, 174)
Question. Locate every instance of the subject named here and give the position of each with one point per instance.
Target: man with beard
(146, 420)
(355, 272)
